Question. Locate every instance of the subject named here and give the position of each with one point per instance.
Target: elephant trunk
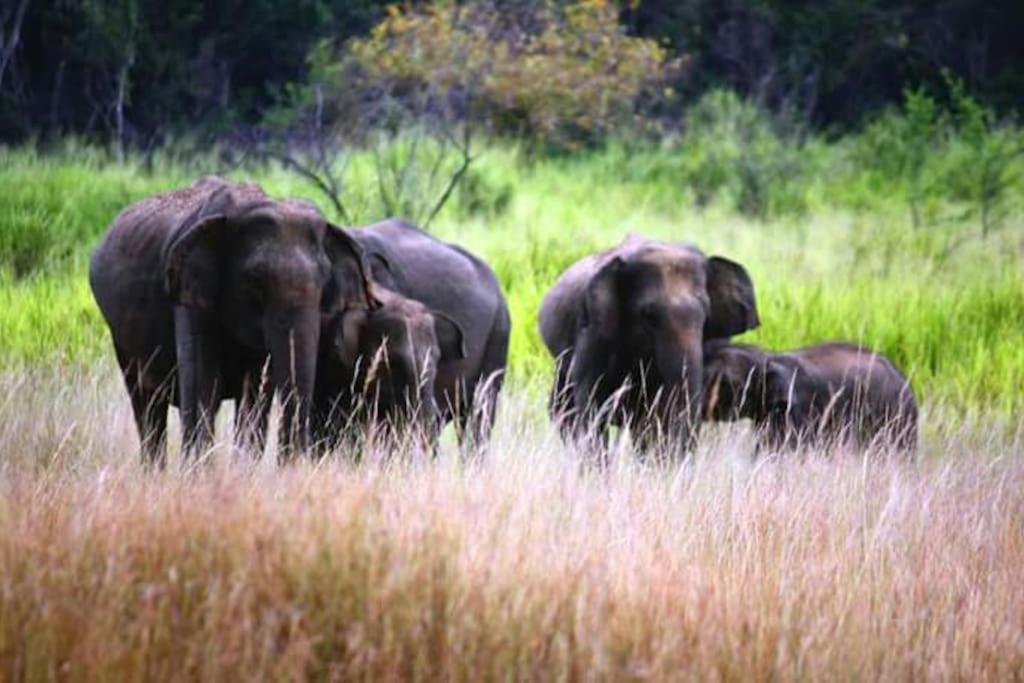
(677, 410)
(293, 343)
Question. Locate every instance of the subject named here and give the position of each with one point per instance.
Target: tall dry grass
(526, 565)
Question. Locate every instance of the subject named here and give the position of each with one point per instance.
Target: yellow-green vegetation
(839, 257)
(898, 223)
(527, 564)
(576, 74)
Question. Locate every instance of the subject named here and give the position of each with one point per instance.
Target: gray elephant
(447, 328)
(828, 393)
(626, 327)
(214, 292)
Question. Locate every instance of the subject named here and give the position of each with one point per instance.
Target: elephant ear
(351, 281)
(733, 307)
(601, 299)
(192, 273)
(450, 337)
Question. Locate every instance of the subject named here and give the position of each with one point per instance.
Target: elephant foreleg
(150, 399)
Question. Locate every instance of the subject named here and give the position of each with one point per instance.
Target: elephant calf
(380, 365)
(834, 392)
(447, 327)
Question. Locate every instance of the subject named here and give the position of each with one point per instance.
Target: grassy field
(528, 565)
(838, 270)
(524, 566)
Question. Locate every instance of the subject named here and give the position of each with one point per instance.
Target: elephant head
(646, 312)
(394, 351)
(265, 272)
(745, 382)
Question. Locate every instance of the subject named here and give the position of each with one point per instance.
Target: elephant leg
(253, 414)
(198, 352)
(489, 383)
(150, 399)
(560, 405)
(467, 422)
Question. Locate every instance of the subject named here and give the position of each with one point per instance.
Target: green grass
(838, 268)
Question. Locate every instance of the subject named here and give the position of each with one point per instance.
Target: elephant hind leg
(476, 407)
(150, 396)
(480, 400)
(564, 415)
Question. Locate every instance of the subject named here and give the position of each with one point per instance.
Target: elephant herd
(218, 292)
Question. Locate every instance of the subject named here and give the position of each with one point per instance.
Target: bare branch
(467, 159)
(318, 180)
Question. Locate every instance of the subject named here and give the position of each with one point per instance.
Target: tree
(112, 28)
(11, 17)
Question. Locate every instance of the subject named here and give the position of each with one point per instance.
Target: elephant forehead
(288, 270)
(281, 224)
(674, 270)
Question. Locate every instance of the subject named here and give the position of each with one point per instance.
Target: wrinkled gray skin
(834, 392)
(630, 322)
(448, 327)
(216, 291)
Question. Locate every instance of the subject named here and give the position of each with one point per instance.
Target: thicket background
(206, 68)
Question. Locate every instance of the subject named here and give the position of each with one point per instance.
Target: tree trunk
(122, 87)
(9, 40)
(58, 86)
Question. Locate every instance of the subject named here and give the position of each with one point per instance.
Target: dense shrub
(732, 146)
(555, 75)
(955, 163)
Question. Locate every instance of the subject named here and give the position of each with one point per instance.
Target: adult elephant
(216, 291)
(627, 326)
(448, 327)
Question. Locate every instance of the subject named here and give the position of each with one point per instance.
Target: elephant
(627, 326)
(381, 366)
(822, 394)
(458, 298)
(216, 291)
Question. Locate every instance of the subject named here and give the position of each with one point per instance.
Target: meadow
(528, 564)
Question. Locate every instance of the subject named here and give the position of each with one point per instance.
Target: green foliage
(984, 173)
(481, 194)
(731, 146)
(847, 267)
(557, 76)
(955, 162)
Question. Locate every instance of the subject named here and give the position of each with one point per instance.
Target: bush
(954, 162)
(731, 146)
(558, 76)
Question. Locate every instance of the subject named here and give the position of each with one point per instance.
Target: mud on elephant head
(627, 327)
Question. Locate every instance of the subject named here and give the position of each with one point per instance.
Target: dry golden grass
(524, 566)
